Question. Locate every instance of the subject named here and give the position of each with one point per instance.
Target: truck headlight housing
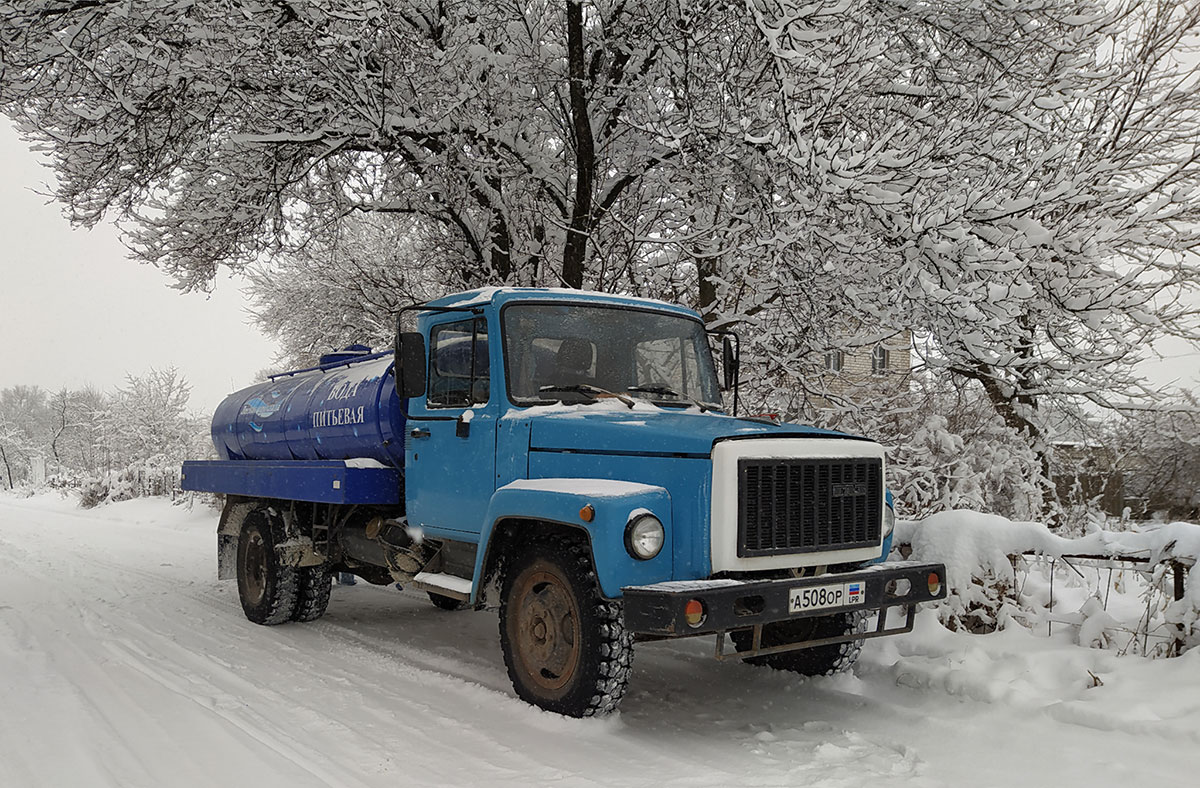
(889, 520)
(644, 535)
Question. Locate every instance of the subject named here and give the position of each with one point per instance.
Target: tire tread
(819, 661)
(282, 592)
(313, 585)
(613, 654)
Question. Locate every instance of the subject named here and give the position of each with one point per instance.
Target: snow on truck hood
(604, 429)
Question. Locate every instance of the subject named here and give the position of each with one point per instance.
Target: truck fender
(563, 502)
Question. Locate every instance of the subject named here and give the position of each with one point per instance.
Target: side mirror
(729, 363)
(410, 364)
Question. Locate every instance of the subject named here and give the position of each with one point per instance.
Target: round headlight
(889, 520)
(644, 536)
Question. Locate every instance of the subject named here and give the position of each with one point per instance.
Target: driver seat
(574, 361)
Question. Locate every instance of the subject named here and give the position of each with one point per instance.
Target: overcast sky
(75, 310)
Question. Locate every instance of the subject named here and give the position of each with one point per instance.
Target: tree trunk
(501, 251)
(500, 246)
(1010, 407)
(580, 226)
(708, 290)
(7, 467)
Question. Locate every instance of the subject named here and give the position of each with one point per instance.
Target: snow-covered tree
(11, 444)
(24, 424)
(1045, 268)
(1011, 181)
(225, 130)
(325, 296)
(148, 417)
(74, 439)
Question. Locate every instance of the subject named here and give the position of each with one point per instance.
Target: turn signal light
(587, 513)
(935, 583)
(693, 613)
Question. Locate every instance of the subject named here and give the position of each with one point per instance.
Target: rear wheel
(565, 646)
(313, 584)
(267, 589)
(817, 661)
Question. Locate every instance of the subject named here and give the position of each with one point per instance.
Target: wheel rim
(254, 569)
(547, 628)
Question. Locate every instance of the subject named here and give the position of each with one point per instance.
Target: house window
(834, 360)
(879, 360)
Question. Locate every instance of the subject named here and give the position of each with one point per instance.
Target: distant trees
(148, 418)
(24, 418)
(1011, 183)
(122, 444)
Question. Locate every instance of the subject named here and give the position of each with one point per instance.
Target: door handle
(419, 432)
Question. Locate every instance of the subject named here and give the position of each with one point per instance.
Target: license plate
(821, 597)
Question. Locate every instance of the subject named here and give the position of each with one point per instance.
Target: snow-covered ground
(123, 662)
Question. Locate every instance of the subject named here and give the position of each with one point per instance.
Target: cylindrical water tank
(339, 411)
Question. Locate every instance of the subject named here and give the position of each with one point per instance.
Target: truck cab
(567, 458)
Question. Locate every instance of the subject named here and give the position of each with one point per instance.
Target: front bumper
(658, 610)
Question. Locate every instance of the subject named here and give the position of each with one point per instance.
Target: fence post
(1177, 643)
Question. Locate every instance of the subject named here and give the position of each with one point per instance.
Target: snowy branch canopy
(1013, 181)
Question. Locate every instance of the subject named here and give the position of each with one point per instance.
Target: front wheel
(565, 646)
(266, 587)
(817, 661)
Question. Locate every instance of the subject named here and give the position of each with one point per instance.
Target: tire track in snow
(444, 706)
(95, 718)
(379, 690)
(125, 638)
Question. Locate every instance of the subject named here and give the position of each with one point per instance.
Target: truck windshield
(575, 353)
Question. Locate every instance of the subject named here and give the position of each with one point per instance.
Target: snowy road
(123, 662)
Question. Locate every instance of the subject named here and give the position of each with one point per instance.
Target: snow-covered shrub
(153, 476)
(965, 460)
(985, 591)
(980, 579)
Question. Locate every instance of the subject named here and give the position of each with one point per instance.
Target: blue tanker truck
(563, 457)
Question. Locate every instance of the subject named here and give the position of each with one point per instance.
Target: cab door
(450, 446)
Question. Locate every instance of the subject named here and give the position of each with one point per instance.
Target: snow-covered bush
(156, 476)
(992, 584)
(966, 460)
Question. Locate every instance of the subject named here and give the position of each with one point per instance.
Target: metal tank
(344, 409)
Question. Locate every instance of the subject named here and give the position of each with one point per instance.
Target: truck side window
(458, 364)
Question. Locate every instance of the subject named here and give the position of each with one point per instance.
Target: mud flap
(227, 545)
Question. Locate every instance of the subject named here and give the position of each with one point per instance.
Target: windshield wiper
(663, 391)
(594, 392)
